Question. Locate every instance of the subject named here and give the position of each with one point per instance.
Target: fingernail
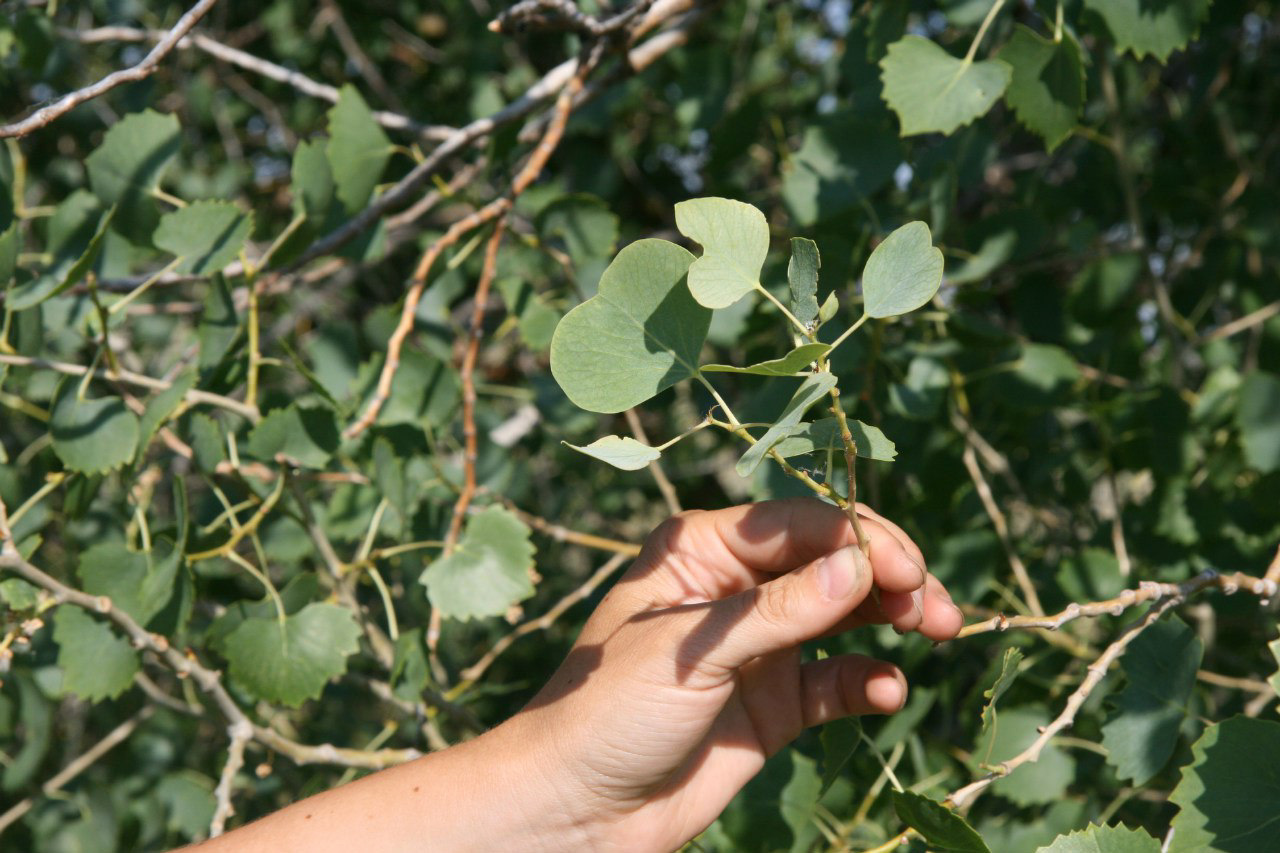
(918, 566)
(838, 573)
(917, 602)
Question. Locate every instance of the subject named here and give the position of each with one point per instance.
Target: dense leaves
(1052, 224)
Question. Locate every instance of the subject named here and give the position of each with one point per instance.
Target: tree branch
(141, 71)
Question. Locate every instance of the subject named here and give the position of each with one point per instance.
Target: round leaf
(91, 436)
(291, 661)
(903, 272)
(638, 336)
(931, 90)
(734, 238)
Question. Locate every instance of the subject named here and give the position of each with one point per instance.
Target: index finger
(710, 555)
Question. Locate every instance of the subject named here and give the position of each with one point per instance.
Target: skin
(686, 678)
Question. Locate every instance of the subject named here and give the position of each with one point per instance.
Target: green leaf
(309, 436)
(91, 435)
(638, 336)
(410, 671)
(18, 594)
(842, 159)
(206, 441)
(798, 800)
(358, 150)
(1274, 680)
(187, 797)
(1104, 839)
(921, 395)
(931, 90)
(291, 661)
(1008, 673)
(1230, 793)
(388, 476)
(823, 435)
(802, 275)
(126, 169)
(830, 306)
(537, 319)
(161, 407)
(735, 240)
(1142, 731)
(840, 739)
(620, 452)
(584, 223)
(219, 324)
(1033, 784)
(96, 663)
(312, 183)
(1258, 417)
(789, 365)
(1046, 92)
(814, 388)
(138, 583)
(489, 570)
(1154, 27)
(73, 255)
(206, 235)
(942, 828)
(10, 246)
(903, 272)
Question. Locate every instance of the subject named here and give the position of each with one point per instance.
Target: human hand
(689, 675)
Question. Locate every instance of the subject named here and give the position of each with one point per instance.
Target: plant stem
(850, 460)
(800, 327)
(982, 31)
(849, 331)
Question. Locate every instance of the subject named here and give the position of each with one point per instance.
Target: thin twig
(1001, 524)
(208, 680)
(564, 534)
(546, 620)
(141, 71)
(496, 208)
(1098, 669)
(660, 478)
(259, 66)
(240, 734)
(78, 765)
(194, 396)
(1146, 591)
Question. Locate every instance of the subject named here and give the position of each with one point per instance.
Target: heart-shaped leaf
(126, 169)
(291, 661)
(903, 272)
(789, 365)
(735, 240)
(1047, 88)
(206, 235)
(638, 336)
(931, 90)
(488, 572)
(1155, 27)
(620, 452)
(91, 435)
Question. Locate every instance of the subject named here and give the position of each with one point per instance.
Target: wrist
(531, 802)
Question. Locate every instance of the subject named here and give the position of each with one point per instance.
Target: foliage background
(1106, 345)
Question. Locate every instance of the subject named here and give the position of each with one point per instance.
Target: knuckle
(775, 603)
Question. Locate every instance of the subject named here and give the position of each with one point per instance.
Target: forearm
(486, 794)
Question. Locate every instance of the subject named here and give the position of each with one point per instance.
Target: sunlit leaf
(734, 238)
(489, 570)
(620, 452)
(933, 91)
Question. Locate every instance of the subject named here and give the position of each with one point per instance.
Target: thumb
(788, 610)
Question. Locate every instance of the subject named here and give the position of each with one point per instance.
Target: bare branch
(655, 467)
(1146, 591)
(78, 765)
(194, 396)
(141, 71)
(241, 733)
(959, 798)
